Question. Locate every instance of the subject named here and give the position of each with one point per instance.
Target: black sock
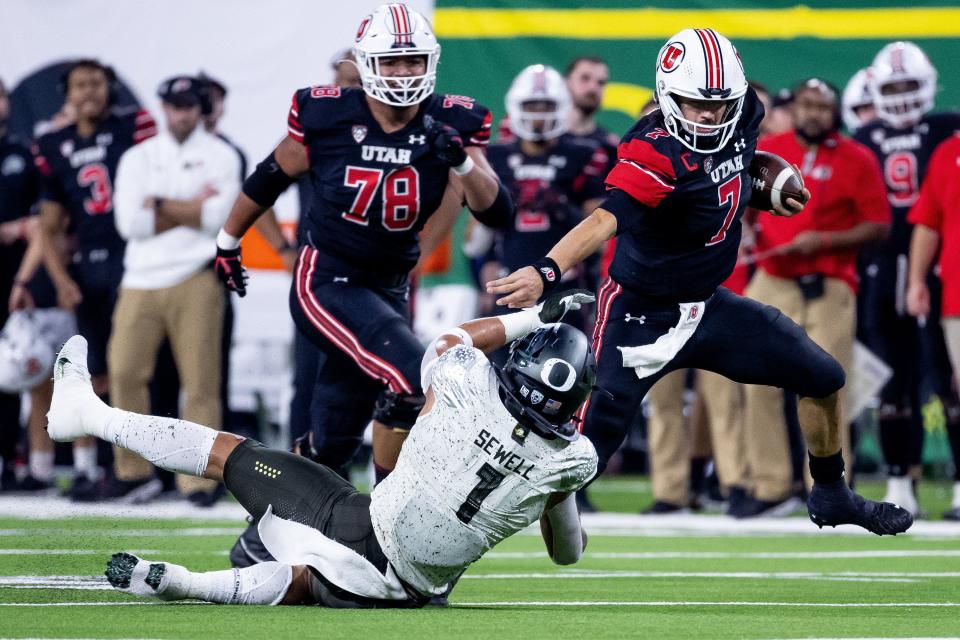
(826, 469)
(896, 442)
(379, 473)
(953, 432)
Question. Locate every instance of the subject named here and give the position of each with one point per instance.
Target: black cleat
(120, 570)
(834, 503)
(248, 549)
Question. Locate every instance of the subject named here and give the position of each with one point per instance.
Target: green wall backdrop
(485, 43)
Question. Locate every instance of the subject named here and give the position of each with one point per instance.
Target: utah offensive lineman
(494, 450)
(676, 196)
(380, 159)
(903, 82)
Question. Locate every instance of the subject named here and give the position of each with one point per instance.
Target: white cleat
(900, 492)
(74, 403)
(136, 576)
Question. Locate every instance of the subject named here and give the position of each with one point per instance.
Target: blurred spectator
(806, 268)
(936, 221)
(903, 86)
(779, 118)
(173, 193)
(668, 437)
(587, 78)
(77, 165)
(857, 102)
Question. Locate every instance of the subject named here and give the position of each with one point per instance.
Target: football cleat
(136, 576)
(835, 503)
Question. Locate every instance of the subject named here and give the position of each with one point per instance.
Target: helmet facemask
(397, 91)
(700, 137)
(903, 102)
(539, 120)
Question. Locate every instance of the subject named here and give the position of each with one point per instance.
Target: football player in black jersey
(77, 165)
(554, 179)
(902, 83)
(381, 159)
(675, 200)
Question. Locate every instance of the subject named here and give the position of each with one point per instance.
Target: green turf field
(702, 581)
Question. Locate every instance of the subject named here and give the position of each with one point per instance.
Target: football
(773, 180)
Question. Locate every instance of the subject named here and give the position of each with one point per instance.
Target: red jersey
(846, 189)
(937, 209)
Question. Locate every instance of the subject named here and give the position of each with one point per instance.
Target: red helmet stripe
(712, 55)
(716, 44)
(706, 58)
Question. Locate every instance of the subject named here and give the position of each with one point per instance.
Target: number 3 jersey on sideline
(678, 211)
(464, 481)
(373, 191)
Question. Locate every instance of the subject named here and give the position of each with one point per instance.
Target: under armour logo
(630, 318)
(421, 139)
(740, 145)
(341, 279)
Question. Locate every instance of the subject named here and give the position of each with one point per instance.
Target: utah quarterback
(675, 199)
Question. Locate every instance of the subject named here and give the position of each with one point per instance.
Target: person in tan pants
(173, 193)
(806, 269)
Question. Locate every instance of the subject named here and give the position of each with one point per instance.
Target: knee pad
(398, 410)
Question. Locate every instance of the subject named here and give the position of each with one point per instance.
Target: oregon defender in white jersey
(493, 451)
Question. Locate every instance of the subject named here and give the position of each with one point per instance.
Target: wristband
(465, 168)
(227, 241)
(549, 272)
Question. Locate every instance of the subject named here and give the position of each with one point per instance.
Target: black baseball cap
(180, 91)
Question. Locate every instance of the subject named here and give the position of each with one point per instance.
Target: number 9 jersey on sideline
(373, 191)
(468, 476)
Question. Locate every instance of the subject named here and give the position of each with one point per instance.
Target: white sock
(956, 496)
(41, 465)
(264, 583)
(174, 445)
(85, 460)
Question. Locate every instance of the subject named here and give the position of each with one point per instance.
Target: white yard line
(777, 555)
(669, 603)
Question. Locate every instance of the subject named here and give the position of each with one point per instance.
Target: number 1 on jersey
(401, 196)
(490, 479)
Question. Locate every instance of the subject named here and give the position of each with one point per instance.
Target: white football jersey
(463, 483)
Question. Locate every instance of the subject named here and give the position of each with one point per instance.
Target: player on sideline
(381, 159)
(494, 450)
(675, 199)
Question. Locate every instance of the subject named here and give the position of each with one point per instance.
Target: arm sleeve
(133, 220)
(928, 209)
(49, 186)
(870, 193)
(294, 128)
(625, 209)
(216, 209)
(145, 127)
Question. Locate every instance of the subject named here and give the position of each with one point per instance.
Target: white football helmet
(390, 31)
(906, 63)
(856, 95)
(700, 64)
(28, 346)
(538, 83)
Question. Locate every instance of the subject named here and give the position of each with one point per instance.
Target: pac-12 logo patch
(672, 56)
(359, 133)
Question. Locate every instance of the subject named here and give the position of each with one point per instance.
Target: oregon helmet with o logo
(546, 378)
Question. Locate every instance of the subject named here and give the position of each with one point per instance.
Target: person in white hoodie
(172, 195)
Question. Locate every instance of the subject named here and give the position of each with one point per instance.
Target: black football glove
(445, 142)
(556, 305)
(230, 270)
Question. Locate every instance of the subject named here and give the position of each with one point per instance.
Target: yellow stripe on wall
(762, 24)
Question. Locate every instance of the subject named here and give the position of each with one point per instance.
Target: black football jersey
(78, 173)
(678, 211)
(607, 140)
(373, 191)
(903, 155)
(549, 191)
(19, 183)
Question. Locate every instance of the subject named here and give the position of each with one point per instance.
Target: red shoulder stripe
(481, 136)
(294, 128)
(642, 184)
(644, 153)
(144, 127)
